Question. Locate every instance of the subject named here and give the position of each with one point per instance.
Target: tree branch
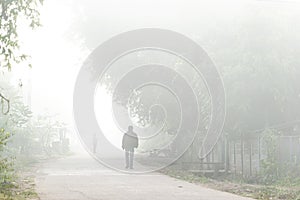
(8, 105)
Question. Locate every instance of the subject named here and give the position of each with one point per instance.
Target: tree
(11, 11)
(12, 123)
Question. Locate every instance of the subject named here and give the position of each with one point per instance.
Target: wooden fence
(244, 156)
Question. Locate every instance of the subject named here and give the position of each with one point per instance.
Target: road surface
(80, 177)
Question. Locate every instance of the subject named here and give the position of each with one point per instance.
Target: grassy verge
(239, 187)
(24, 186)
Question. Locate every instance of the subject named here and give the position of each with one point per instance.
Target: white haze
(58, 50)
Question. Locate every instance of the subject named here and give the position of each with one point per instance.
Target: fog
(116, 93)
(72, 29)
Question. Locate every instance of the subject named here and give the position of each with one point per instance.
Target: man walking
(129, 142)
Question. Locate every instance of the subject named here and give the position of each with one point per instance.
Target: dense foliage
(11, 11)
(15, 116)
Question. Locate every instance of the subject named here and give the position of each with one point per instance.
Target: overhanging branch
(3, 98)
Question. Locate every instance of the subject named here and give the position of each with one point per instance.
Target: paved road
(80, 177)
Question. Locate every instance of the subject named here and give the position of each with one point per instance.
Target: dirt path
(79, 177)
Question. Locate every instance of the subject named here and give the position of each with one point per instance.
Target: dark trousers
(129, 154)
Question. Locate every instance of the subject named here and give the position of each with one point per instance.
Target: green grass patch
(279, 191)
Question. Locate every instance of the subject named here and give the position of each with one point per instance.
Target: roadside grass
(24, 184)
(278, 191)
(24, 188)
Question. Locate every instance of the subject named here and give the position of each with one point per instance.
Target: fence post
(250, 158)
(234, 157)
(227, 159)
(290, 149)
(259, 153)
(242, 154)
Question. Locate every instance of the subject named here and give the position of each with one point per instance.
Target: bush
(7, 176)
(270, 165)
(273, 171)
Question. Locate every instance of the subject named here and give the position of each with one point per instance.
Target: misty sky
(73, 28)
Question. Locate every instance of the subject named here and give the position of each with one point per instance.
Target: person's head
(130, 128)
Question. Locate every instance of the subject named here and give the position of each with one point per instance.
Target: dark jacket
(130, 141)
